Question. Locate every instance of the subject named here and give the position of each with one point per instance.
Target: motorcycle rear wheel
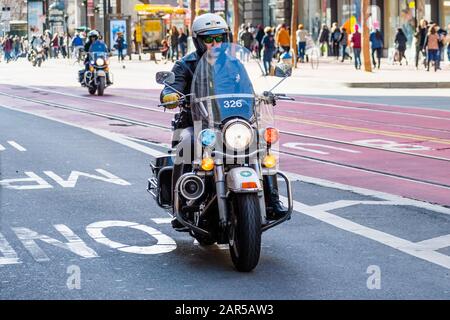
(92, 90)
(245, 235)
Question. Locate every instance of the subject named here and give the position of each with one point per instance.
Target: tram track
(283, 132)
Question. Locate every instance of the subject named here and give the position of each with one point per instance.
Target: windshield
(221, 86)
(98, 54)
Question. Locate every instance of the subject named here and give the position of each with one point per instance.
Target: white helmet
(93, 33)
(208, 24)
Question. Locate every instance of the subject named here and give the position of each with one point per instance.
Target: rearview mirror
(165, 77)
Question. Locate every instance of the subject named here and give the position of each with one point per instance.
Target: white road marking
(370, 193)
(391, 145)
(126, 142)
(436, 257)
(75, 244)
(2, 148)
(164, 243)
(39, 183)
(17, 146)
(397, 243)
(9, 254)
(405, 113)
(162, 220)
(74, 175)
(436, 243)
(348, 203)
(298, 146)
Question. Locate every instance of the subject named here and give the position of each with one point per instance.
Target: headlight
(208, 137)
(100, 62)
(238, 135)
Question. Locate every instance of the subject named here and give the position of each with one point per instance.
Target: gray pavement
(312, 256)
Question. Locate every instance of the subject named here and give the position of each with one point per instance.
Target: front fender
(237, 176)
(100, 73)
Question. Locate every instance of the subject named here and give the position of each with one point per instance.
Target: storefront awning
(158, 8)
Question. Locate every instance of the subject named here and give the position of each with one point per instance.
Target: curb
(399, 85)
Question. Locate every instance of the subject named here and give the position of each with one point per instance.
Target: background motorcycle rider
(94, 44)
(208, 30)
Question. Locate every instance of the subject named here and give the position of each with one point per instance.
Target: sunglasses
(210, 39)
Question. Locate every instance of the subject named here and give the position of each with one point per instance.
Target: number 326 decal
(232, 104)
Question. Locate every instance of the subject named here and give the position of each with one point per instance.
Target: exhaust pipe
(191, 187)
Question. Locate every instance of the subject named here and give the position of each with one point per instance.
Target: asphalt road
(95, 238)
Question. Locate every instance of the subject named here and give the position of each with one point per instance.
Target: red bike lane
(402, 141)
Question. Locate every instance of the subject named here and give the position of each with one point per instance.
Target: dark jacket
(400, 41)
(184, 71)
(420, 38)
(324, 35)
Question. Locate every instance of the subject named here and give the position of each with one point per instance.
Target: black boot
(274, 207)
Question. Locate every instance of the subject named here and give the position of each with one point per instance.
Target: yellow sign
(152, 26)
(158, 8)
(412, 4)
(138, 33)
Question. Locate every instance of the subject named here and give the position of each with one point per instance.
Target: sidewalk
(333, 73)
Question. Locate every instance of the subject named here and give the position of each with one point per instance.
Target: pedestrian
(301, 34)
(182, 42)
(55, 45)
(400, 45)
(420, 35)
(120, 46)
(442, 34)
(343, 42)
(7, 48)
(173, 39)
(282, 39)
(165, 50)
(268, 43)
(376, 41)
(335, 37)
(356, 45)
(447, 43)
(432, 47)
(247, 40)
(324, 36)
(259, 36)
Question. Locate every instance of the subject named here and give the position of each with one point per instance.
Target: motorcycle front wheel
(101, 86)
(245, 233)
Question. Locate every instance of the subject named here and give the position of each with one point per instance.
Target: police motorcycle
(219, 196)
(36, 56)
(95, 78)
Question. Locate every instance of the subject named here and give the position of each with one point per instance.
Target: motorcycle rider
(94, 44)
(208, 30)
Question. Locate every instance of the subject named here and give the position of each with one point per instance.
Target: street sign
(90, 8)
(6, 14)
(101, 11)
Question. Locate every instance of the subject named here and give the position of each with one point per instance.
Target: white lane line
(436, 243)
(126, 142)
(2, 148)
(105, 101)
(384, 238)
(397, 243)
(325, 162)
(348, 203)
(366, 108)
(162, 220)
(371, 193)
(17, 146)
